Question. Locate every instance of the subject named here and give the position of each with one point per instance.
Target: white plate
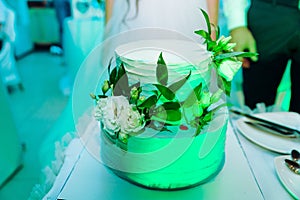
(289, 179)
(268, 140)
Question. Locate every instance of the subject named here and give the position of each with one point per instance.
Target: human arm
(108, 9)
(236, 14)
(213, 13)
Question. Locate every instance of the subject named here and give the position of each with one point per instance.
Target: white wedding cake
(161, 143)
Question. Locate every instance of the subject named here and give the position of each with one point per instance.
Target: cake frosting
(181, 57)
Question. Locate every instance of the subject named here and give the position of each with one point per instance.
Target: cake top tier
(176, 52)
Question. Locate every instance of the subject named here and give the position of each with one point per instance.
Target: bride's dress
(183, 16)
(151, 20)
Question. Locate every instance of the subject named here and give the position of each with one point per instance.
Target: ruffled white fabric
(63, 149)
(67, 153)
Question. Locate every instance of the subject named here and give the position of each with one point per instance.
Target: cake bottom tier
(178, 163)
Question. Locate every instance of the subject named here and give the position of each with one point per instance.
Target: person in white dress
(133, 20)
(183, 16)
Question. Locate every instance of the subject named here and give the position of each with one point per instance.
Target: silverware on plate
(272, 129)
(268, 123)
(295, 155)
(293, 166)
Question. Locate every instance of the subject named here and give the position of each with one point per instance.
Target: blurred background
(42, 46)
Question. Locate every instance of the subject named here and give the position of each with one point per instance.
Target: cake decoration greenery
(124, 110)
(224, 58)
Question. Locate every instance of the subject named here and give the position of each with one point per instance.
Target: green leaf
(166, 92)
(161, 71)
(203, 34)
(246, 54)
(198, 90)
(161, 59)
(109, 66)
(122, 74)
(234, 54)
(227, 88)
(121, 87)
(224, 85)
(193, 96)
(167, 113)
(171, 106)
(113, 76)
(207, 21)
(217, 30)
(102, 96)
(172, 117)
(149, 102)
(208, 117)
(177, 85)
(199, 128)
(211, 46)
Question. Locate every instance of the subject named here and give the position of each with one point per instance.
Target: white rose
(111, 125)
(223, 41)
(131, 121)
(228, 68)
(116, 105)
(101, 103)
(109, 110)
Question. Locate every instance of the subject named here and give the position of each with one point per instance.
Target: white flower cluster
(118, 116)
(228, 67)
(206, 100)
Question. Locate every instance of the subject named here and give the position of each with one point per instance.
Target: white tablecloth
(261, 161)
(248, 173)
(89, 179)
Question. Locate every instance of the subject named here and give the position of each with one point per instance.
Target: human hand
(213, 33)
(108, 10)
(244, 42)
